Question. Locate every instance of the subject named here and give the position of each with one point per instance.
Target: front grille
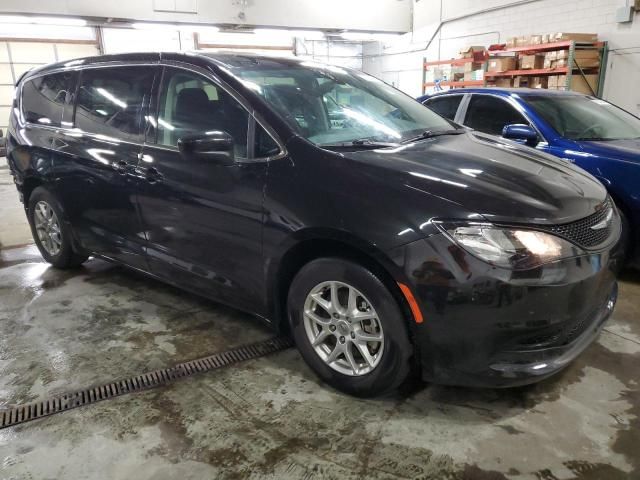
(581, 231)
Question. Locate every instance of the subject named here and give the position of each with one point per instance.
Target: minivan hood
(500, 180)
(618, 149)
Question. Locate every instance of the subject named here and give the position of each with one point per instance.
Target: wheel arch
(313, 244)
(28, 186)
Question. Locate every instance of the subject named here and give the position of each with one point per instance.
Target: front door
(203, 221)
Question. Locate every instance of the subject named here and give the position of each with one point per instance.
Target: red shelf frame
(545, 47)
(453, 61)
(530, 72)
(464, 83)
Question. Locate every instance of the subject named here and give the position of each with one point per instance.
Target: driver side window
(490, 114)
(191, 104)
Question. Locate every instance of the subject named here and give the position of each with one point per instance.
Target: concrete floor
(270, 417)
(13, 225)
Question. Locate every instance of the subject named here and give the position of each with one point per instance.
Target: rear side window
(43, 98)
(110, 101)
(490, 114)
(445, 105)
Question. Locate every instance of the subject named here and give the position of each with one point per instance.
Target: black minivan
(384, 238)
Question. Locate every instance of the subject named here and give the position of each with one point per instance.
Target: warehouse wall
(468, 22)
(388, 15)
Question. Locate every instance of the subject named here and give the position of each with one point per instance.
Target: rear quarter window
(43, 98)
(445, 105)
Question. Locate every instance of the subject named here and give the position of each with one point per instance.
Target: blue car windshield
(585, 118)
(329, 105)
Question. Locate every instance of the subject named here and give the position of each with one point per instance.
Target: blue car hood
(619, 149)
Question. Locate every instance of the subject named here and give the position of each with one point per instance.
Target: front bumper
(487, 326)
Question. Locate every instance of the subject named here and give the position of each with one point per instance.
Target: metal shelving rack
(569, 45)
(450, 83)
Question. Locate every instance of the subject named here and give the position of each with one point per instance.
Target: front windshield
(585, 118)
(330, 105)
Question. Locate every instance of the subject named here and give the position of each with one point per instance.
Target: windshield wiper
(434, 133)
(359, 143)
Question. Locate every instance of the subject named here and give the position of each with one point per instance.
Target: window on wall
(110, 101)
(191, 104)
(43, 98)
(490, 114)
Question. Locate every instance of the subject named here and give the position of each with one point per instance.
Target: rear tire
(50, 232)
(365, 326)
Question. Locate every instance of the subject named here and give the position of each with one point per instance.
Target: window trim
(511, 102)
(253, 115)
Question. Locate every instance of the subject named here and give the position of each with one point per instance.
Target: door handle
(120, 166)
(153, 175)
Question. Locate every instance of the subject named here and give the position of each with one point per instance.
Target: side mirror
(215, 147)
(518, 131)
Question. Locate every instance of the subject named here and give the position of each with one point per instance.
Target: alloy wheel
(343, 328)
(47, 228)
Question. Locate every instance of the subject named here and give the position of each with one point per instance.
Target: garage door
(18, 56)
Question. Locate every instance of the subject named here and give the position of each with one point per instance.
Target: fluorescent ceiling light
(370, 37)
(183, 27)
(23, 19)
(283, 33)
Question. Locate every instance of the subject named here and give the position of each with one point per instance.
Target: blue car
(592, 133)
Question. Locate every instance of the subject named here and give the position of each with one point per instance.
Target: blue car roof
(505, 92)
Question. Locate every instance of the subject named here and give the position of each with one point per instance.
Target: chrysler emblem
(603, 223)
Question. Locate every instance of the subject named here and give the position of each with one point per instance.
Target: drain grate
(146, 381)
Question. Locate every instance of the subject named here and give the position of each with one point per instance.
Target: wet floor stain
(272, 418)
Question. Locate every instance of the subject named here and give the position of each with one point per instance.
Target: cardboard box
(539, 82)
(501, 64)
(523, 41)
(581, 84)
(559, 63)
(475, 52)
(560, 83)
(549, 58)
(587, 63)
(471, 66)
(475, 75)
(511, 42)
(554, 80)
(583, 58)
(577, 37)
(536, 39)
(457, 76)
(529, 62)
(503, 82)
(521, 82)
(545, 38)
(579, 54)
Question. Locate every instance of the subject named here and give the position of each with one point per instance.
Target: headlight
(513, 248)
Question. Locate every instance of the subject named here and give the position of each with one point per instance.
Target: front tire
(349, 328)
(51, 234)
